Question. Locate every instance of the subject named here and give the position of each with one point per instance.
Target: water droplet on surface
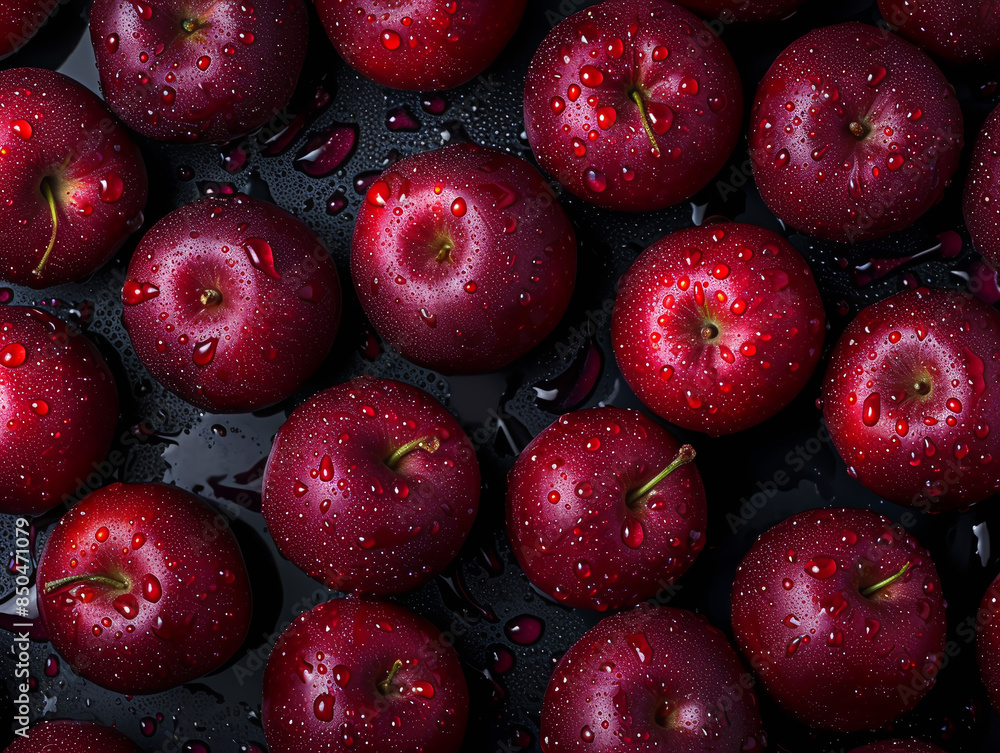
(633, 533)
(390, 39)
(524, 629)
(203, 62)
(821, 567)
(591, 76)
(459, 207)
(204, 351)
(871, 409)
(595, 180)
(323, 707)
(111, 188)
(22, 128)
(151, 589)
(261, 255)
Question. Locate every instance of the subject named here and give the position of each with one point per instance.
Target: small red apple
(981, 202)
(463, 258)
(72, 184)
(718, 327)
(841, 615)
(652, 679)
(854, 133)
(371, 486)
(353, 675)
(58, 410)
(604, 509)
(420, 44)
(72, 737)
(912, 399)
(633, 104)
(988, 641)
(198, 70)
(963, 31)
(231, 302)
(142, 587)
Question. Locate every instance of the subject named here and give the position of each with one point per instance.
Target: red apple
(652, 679)
(463, 258)
(854, 133)
(232, 303)
(142, 588)
(72, 183)
(717, 328)
(988, 641)
(898, 746)
(604, 509)
(981, 202)
(363, 675)
(841, 615)
(198, 70)
(371, 486)
(744, 10)
(912, 399)
(58, 410)
(72, 737)
(633, 104)
(20, 20)
(420, 44)
(962, 31)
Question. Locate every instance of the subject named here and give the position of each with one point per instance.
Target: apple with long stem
(142, 587)
(353, 674)
(72, 184)
(842, 617)
(371, 486)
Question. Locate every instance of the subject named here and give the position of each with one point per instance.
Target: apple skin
(988, 641)
(181, 605)
(226, 78)
(898, 746)
(587, 131)
(20, 20)
(957, 30)
(272, 324)
(58, 136)
(337, 509)
(610, 691)
(77, 737)
(932, 449)
(321, 683)
(507, 258)
(814, 173)
(58, 410)
(832, 657)
(748, 286)
(577, 476)
(744, 10)
(982, 191)
(426, 45)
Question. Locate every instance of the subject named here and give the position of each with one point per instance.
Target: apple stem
(384, 685)
(444, 254)
(641, 103)
(103, 580)
(872, 590)
(709, 332)
(210, 297)
(47, 192)
(430, 444)
(858, 129)
(684, 456)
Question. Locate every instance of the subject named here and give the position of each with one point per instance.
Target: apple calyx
(94, 579)
(210, 297)
(922, 387)
(429, 444)
(191, 25)
(47, 193)
(385, 685)
(640, 102)
(684, 456)
(858, 129)
(872, 590)
(709, 332)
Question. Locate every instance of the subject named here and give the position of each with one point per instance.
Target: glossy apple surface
(364, 675)
(911, 399)
(981, 201)
(72, 184)
(962, 31)
(988, 641)
(142, 587)
(633, 104)
(717, 328)
(371, 486)
(58, 410)
(231, 303)
(841, 616)
(463, 258)
(20, 20)
(854, 133)
(78, 737)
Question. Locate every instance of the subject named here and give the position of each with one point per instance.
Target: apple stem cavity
(684, 456)
(858, 129)
(709, 332)
(922, 387)
(387, 682)
(641, 104)
(95, 579)
(47, 193)
(444, 253)
(210, 297)
(430, 444)
(191, 25)
(872, 590)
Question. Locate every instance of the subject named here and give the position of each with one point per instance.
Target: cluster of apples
(464, 261)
